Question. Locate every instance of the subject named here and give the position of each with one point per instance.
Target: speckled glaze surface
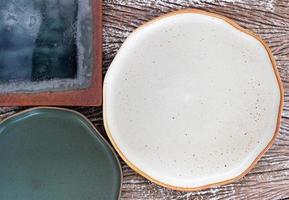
(192, 100)
(49, 153)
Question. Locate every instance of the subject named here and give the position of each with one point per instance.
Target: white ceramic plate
(192, 100)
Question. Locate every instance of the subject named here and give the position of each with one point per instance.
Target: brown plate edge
(281, 89)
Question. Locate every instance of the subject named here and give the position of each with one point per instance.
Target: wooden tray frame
(91, 96)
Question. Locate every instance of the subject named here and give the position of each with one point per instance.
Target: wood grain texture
(269, 180)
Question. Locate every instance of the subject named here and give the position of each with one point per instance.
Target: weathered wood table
(270, 20)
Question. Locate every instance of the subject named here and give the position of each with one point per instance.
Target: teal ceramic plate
(56, 154)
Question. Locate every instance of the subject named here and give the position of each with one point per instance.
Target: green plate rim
(96, 133)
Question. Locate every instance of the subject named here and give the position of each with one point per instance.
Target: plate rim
(78, 114)
(268, 146)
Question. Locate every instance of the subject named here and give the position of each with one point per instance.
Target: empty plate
(48, 153)
(192, 100)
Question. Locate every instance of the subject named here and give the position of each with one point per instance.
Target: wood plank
(269, 180)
